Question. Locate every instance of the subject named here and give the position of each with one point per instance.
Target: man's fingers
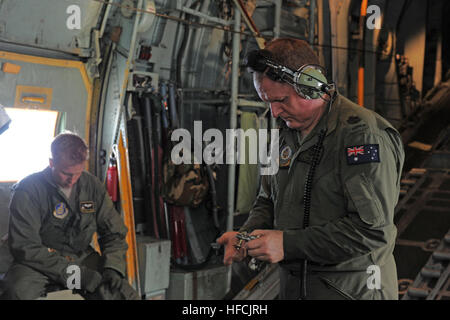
(257, 252)
(254, 244)
(226, 237)
(221, 240)
(228, 257)
(257, 232)
(228, 260)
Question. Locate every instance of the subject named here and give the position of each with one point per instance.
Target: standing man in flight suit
(53, 216)
(327, 216)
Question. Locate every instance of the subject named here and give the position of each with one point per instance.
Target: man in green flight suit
(53, 217)
(326, 217)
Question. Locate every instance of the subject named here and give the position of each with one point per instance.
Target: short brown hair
(292, 53)
(69, 148)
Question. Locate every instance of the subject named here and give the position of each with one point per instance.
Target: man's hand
(268, 247)
(113, 278)
(90, 279)
(228, 239)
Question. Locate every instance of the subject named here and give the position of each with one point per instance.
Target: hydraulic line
(150, 173)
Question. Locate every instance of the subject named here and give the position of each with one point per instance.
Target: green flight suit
(48, 232)
(351, 226)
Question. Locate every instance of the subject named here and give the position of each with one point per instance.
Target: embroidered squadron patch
(363, 154)
(87, 207)
(285, 156)
(60, 211)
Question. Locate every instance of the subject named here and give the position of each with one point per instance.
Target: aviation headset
(309, 80)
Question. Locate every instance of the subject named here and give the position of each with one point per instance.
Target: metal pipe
(129, 64)
(361, 62)
(233, 113)
(173, 107)
(276, 34)
(148, 18)
(207, 101)
(198, 35)
(250, 23)
(277, 22)
(101, 113)
(250, 103)
(105, 19)
(438, 68)
(205, 16)
(150, 155)
(205, 89)
(312, 22)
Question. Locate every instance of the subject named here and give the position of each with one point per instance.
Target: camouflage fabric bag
(184, 184)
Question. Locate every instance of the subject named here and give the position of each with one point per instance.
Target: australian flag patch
(363, 154)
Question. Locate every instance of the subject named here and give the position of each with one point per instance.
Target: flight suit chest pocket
(53, 231)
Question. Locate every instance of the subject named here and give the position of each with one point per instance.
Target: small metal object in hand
(244, 236)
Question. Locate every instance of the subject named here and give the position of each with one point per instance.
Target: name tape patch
(87, 207)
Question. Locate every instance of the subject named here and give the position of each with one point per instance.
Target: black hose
(212, 186)
(153, 221)
(140, 172)
(180, 56)
(105, 72)
(156, 109)
(173, 107)
(317, 148)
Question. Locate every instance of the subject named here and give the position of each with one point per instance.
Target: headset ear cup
(309, 82)
(307, 92)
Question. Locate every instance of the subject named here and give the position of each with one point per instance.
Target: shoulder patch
(363, 154)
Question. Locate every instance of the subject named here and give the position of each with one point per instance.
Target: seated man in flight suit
(53, 216)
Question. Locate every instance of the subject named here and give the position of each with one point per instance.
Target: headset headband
(308, 81)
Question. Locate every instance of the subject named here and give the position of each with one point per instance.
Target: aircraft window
(25, 146)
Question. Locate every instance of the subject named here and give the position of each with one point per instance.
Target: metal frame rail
(433, 283)
(419, 188)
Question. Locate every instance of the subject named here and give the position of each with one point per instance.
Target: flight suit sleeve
(261, 215)
(25, 241)
(112, 232)
(371, 192)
